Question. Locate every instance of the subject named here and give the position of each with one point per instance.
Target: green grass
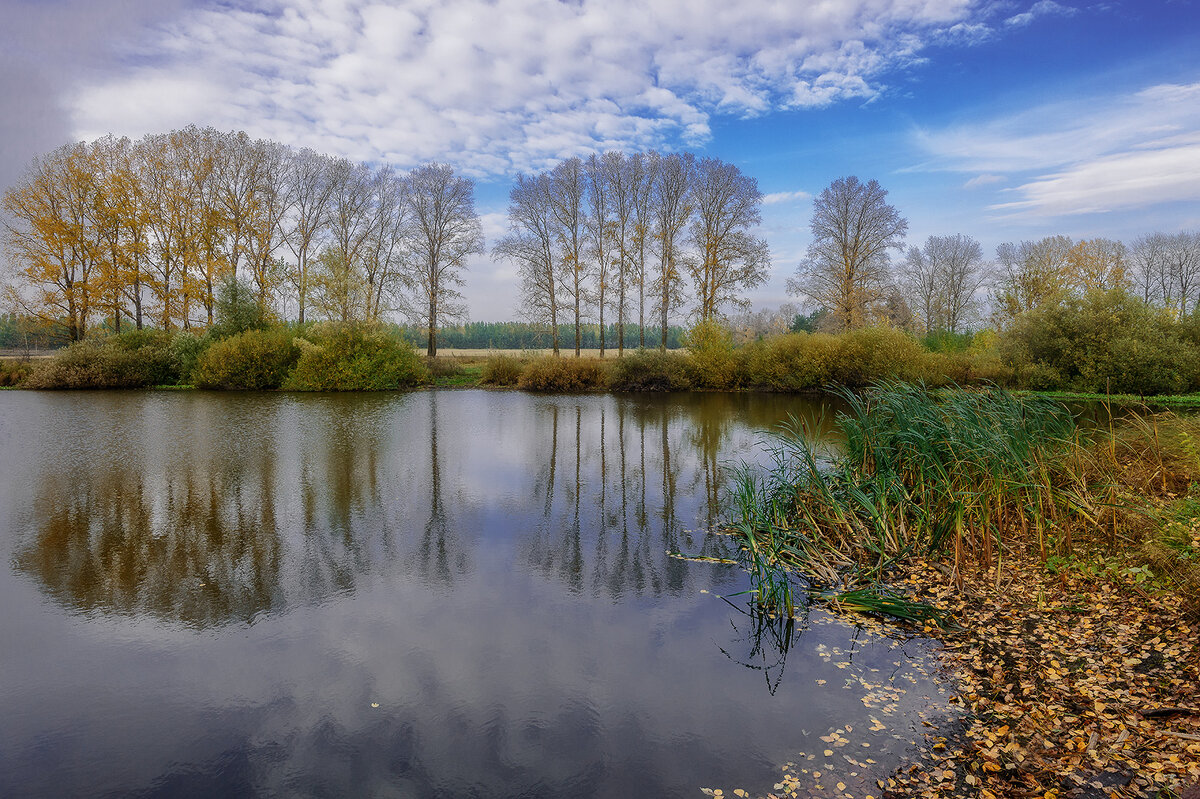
(1119, 400)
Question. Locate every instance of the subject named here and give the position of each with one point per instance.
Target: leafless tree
(443, 230)
(624, 176)
(530, 244)
(642, 177)
(262, 235)
(728, 259)
(568, 188)
(599, 233)
(672, 206)
(386, 249)
(846, 268)
(310, 185)
(1166, 269)
(942, 279)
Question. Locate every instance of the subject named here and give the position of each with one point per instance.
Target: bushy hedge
(502, 370)
(12, 372)
(253, 360)
(563, 374)
(713, 360)
(650, 370)
(1103, 341)
(339, 357)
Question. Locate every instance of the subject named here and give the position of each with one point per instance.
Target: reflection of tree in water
(441, 556)
(197, 545)
(622, 503)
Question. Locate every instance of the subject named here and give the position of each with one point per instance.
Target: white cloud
(1042, 8)
(983, 180)
(504, 85)
(1086, 155)
(784, 197)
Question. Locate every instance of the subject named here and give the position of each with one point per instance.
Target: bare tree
(310, 185)
(846, 268)
(642, 177)
(530, 244)
(672, 208)
(443, 230)
(624, 176)
(597, 224)
(1030, 275)
(568, 186)
(386, 247)
(265, 217)
(729, 260)
(1181, 262)
(942, 279)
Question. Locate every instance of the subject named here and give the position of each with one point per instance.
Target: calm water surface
(449, 593)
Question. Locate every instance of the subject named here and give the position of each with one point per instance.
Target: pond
(443, 593)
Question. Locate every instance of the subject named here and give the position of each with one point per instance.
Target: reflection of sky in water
(489, 568)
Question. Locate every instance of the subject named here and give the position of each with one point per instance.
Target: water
(447, 593)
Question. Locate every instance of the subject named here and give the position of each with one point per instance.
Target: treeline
(143, 232)
(630, 239)
(528, 336)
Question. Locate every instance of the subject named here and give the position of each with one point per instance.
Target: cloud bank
(507, 85)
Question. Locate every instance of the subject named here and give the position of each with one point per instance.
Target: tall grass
(951, 473)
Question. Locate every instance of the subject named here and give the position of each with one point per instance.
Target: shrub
(502, 370)
(443, 366)
(13, 372)
(713, 363)
(349, 357)
(1105, 340)
(650, 370)
(872, 354)
(792, 362)
(186, 349)
(254, 360)
(550, 373)
(96, 364)
(236, 310)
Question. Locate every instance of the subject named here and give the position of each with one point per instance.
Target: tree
(1166, 270)
(51, 235)
(942, 279)
(597, 225)
(624, 176)
(568, 186)
(846, 267)
(310, 185)
(338, 288)
(641, 182)
(1031, 275)
(1098, 264)
(729, 260)
(443, 230)
(530, 244)
(672, 206)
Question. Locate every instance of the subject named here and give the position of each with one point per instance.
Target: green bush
(549, 373)
(714, 362)
(650, 370)
(350, 357)
(1103, 341)
(236, 310)
(872, 354)
(792, 362)
(186, 349)
(253, 360)
(443, 366)
(502, 370)
(12, 372)
(97, 364)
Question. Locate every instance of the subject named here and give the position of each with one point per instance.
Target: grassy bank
(1061, 565)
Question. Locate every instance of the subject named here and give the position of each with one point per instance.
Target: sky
(1000, 119)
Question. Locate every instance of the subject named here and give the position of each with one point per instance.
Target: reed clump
(953, 474)
(502, 370)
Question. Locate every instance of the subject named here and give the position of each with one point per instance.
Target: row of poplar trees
(630, 238)
(147, 231)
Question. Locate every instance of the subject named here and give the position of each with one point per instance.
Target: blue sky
(1004, 120)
